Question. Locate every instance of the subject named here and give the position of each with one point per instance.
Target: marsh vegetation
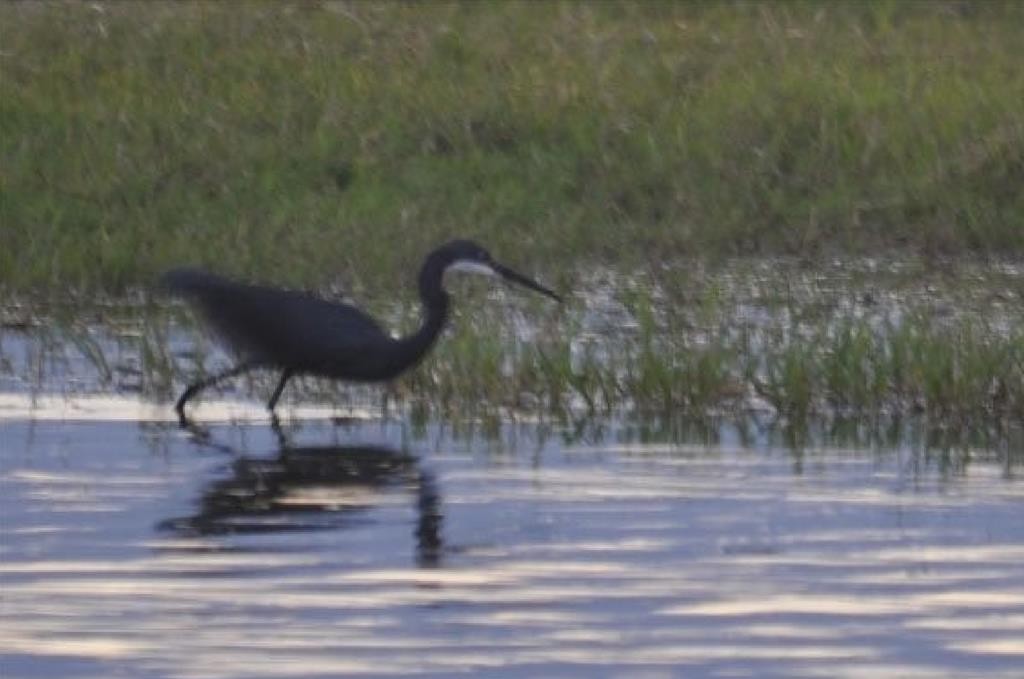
(712, 183)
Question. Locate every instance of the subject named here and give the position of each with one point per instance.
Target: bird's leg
(285, 376)
(279, 432)
(195, 388)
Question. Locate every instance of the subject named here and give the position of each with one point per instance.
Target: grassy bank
(306, 142)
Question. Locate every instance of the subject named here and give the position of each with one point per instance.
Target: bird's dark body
(291, 329)
(301, 333)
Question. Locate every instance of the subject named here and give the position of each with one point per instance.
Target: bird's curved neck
(435, 312)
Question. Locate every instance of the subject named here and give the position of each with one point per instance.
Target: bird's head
(468, 257)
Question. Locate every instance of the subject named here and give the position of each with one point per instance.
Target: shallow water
(135, 549)
(614, 328)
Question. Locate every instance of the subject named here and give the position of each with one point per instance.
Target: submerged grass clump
(862, 341)
(958, 374)
(303, 141)
(835, 345)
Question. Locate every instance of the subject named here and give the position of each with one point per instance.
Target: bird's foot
(197, 433)
(279, 431)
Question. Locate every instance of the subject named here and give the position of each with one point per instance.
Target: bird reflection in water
(315, 488)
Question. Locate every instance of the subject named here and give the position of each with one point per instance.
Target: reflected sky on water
(144, 551)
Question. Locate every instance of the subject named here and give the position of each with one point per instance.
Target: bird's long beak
(516, 277)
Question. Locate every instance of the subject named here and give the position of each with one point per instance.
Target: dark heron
(299, 333)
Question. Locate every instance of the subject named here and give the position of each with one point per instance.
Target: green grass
(326, 141)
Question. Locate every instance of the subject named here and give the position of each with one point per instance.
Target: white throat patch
(471, 267)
